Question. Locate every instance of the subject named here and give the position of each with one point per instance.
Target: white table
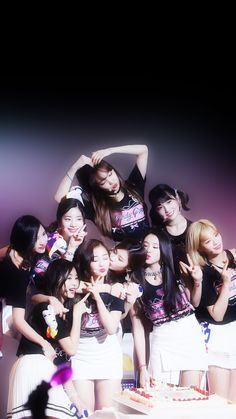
(205, 410)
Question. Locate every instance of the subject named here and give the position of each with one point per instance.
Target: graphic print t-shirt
(211, 286)
(129, 216)
(153, 301)
(90, 323)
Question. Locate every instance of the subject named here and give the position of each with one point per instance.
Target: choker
(156, 273)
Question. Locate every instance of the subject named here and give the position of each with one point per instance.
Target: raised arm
(140, 150)
(67, 180)
(70, 344)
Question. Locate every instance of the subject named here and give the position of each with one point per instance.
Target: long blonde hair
(194, 238)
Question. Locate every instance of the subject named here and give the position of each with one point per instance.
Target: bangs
(206, 229)
(163, 197)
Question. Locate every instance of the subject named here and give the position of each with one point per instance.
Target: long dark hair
(56, 276)
(169, 278)
(84, 256)
(102, 201)
(63, 207)
(160, 194)
(136, 260)
(23, 238)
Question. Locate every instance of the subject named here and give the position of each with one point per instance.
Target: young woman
(176, 342)
(216, 311)
(166, 214)
(97, 365)
(68, 231)
(28, 242)
(61, 280)
(116, 206)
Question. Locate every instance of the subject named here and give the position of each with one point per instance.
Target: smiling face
(100, 262)
(168, 210)
(41, 241)
(71, 223)
(210, 243)
(152, 247)
(119, 260)
(108, 181)
(71, 284)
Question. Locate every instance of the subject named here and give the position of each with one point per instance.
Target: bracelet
(67, 174)
(141, 366)
(197, 284)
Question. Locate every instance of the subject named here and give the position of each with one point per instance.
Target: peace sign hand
(93, 288)
(81, 306)
(194, 270)
(226, 274)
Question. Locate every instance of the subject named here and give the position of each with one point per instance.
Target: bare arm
(67, 180)
(139, 345)
(141, 151)
(70, 344)
(217, 311)
(195, 271)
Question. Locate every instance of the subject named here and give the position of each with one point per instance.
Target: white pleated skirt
(221, 344)
(177, 346)
(26, 374)
(98, 358)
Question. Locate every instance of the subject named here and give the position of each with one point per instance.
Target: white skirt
(177, 346)
(26, 374)
(221, 344)
(98, 358)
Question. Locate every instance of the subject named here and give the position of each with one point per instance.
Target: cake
(167, 396)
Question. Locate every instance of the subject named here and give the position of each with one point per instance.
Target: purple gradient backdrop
(34, 157)
(44, 130)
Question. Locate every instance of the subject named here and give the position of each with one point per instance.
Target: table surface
(182, 410)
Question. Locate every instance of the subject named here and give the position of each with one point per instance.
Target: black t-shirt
(129, 216)
(211, 286)
(14, 283)
(90, 323)
(52, 328)
(178, 244)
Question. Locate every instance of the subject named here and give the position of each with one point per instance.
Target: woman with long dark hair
(61, 280)
(115, 205)
(176, 342)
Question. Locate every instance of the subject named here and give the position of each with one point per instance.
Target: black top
(211, 286)
(14, 283)
(52, 328)
(129, 216)
(90, 323)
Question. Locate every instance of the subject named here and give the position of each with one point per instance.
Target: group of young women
(71, 295)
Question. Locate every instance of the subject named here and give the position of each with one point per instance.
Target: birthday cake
(164, 396)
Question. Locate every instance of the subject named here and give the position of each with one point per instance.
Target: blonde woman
(217, 308)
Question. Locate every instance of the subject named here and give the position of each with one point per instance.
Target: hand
(57, 306)
(77, 238)
(226, 274)
(81, 306)
(118, 290)
(133, 292)
(49, 351)
(93, 288)
(98, 155)
(144, 378)
(194, 270)
(82, 161)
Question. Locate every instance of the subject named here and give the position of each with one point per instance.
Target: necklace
(154, 274)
